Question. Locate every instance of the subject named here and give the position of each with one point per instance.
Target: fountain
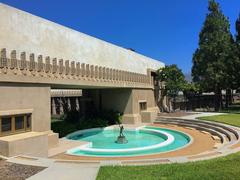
(109, 142)
(121, 138)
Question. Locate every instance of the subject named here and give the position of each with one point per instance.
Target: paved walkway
(59, 170)
(67, 171)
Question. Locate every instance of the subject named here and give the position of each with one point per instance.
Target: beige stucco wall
(22, 31)
(118, 99)
(143, 95)
(33, 97)
(127, 101)
(112, 99)
(30, 143)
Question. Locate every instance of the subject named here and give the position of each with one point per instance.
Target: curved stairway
(228, 135)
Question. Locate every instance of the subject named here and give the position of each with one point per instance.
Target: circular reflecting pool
(140, 141)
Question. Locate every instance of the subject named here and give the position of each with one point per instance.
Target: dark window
(28, 121)
(15, 124)
(6, 124)
(19, 122)
(143, 106)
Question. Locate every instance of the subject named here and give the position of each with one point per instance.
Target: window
(15, 124)
(143, 106)
(6, 124)
(28, 121)
(19, 122)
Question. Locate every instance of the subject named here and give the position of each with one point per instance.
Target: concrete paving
(59, 170)
(67, 171)
(63, 145)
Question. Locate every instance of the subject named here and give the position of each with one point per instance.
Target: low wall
(30, 143)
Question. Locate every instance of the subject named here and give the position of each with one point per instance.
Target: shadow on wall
(116, 99)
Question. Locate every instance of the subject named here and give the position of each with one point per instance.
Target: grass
(231, 119)
(219, 168)
(233, 108)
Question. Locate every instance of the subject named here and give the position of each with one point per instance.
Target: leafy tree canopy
(190, 88)
(238, 31)
(215, 43)
(173, 78)
(236, 65)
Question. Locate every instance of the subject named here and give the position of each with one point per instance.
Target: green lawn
(231, 119)
(234, 108)
(219, 168)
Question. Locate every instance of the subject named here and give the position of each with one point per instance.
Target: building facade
(38, 56)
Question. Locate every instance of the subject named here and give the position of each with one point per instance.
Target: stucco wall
(22, 31)
(117, 99)
(31, 143)
(123, 100)
(30, 146)
(143, 95)
(20, 97)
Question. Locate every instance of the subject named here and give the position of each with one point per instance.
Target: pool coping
(171, 159)
(210, 154)
(169, 140)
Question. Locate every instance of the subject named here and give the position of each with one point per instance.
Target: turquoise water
(105, 139)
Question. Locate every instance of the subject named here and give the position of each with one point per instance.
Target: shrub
(63, 128)
(72, 121)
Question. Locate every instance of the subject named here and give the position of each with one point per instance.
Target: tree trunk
(228, 97)
(174, 103)
(231, 98)
(160, 102)
(218, 99)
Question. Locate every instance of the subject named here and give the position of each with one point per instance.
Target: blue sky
(164, 30)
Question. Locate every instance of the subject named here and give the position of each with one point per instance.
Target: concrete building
(38, 55)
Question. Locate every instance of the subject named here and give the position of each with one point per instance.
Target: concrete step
(227, 131)
(213, 132)
(226, 127)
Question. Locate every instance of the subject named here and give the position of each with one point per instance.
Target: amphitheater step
(231, 134)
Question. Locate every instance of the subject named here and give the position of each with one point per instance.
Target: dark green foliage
(110, 116)
(211, 59)
(72, 116)
(98, 119)
(174, 79)
(63, 128)
(213, 51)
(190, 89)
(236, 65)
(238, 31)
(72, 120)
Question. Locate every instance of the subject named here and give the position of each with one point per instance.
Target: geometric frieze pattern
(59, 68)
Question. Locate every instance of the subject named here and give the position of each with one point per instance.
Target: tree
(210, 58)
(233, 66)
(238, 31)
(237, 53)
(174, 81)
(190, 89)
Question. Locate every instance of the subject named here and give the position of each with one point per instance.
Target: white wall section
(22, 31)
